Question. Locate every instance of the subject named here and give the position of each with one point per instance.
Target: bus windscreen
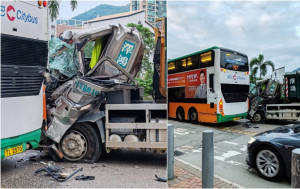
(233, 61)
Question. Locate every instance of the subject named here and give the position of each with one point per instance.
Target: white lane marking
(226, 155)
(233, 143)
(180, 131)
(234, 162)
(195, 151)
(244, 149)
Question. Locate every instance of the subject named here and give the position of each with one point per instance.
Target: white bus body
(24, 50)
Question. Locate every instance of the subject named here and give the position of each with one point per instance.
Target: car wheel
(269, 164)
(193, 116)
(180, 114)
(258, 117)
(81, 143)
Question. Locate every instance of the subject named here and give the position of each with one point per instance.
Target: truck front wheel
(258, 117)
(81, 143)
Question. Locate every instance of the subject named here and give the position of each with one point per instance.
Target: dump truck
(271, 100)
(99, 108)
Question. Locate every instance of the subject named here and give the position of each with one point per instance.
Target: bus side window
(171, 67)
(180, 65)
(211, 83)
(206, 59)
(192, 62)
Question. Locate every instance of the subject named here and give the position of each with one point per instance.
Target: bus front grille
(19, 81)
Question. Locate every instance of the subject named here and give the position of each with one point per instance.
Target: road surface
(230, 150)
(120, 169)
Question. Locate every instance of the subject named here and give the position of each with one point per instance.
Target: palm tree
(259, 63)
(54, 8)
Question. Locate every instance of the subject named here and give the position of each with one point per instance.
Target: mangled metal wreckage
(100, 109)
(269, 100)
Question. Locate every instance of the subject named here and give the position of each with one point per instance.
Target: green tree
(54, 8)
(258, 63)
(145, 76)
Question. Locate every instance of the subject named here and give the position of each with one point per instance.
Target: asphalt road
(120, 169)
(230, 141)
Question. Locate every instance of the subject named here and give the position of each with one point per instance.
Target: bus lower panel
(32, 138)
(227, 118)
(206, 113)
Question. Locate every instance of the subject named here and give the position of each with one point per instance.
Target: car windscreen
(234, 61)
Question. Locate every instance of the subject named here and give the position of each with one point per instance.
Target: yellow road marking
(250, 133)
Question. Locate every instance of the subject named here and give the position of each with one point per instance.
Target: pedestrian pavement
(188, 176)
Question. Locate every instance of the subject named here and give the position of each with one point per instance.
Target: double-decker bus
(210, 86)
(24, 52)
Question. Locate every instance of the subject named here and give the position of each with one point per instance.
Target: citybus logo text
(12, 14)
(236, 77)
(10, 8)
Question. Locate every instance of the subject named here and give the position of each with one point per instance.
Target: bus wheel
(258, 117)
(81, 143)
(180, 114)
(193, 116)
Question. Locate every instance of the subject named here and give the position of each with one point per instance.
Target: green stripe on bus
(227, 118)
(33, 138)
(198, 52)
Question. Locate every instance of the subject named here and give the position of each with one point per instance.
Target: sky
(82, 6)
(249, 27)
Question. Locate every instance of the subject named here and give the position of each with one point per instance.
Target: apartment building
(153, 9)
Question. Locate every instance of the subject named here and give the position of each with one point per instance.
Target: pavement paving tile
(181, 178)
(186, 176)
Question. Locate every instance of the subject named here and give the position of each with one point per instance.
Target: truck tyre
(259, 117)
(81, 143)
(180, 114)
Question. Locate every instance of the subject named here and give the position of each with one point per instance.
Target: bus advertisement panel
(193, 81)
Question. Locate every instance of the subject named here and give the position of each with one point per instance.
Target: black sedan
(270, 152)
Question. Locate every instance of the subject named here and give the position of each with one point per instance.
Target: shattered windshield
(253, 89)
(61, 57)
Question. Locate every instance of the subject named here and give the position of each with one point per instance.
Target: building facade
(153, 9)
(136, 17)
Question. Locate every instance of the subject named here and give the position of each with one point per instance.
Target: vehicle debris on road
(160, 179)
(85, 178)
(55, 172)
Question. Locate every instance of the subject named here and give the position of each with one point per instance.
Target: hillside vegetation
(101, 10)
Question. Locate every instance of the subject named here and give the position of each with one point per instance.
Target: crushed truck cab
(100, 108)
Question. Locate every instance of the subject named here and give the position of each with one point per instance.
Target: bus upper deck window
(181, 65)
(171, 67)
(206, 59)
(189, 62)
(192, 62)
(183, 62)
